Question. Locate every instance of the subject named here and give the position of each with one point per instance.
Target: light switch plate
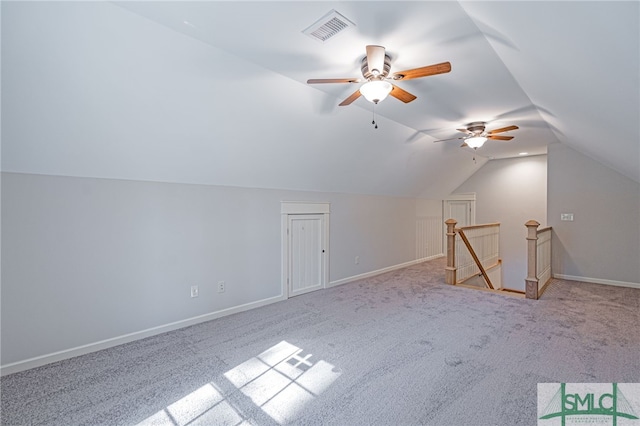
(566, 216)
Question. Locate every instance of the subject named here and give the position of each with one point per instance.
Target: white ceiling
(564, 72)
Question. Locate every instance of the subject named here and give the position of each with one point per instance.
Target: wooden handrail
(484, 225)
(477, 275)
(548, 228)
(475, 257)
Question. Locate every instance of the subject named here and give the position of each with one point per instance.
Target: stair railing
(471, 250)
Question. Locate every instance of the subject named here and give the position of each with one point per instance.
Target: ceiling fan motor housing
(477, 127)
(369, 75)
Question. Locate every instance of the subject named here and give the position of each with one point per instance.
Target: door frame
(289, 208)
(470, 197)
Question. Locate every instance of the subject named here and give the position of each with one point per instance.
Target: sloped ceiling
(216, 93)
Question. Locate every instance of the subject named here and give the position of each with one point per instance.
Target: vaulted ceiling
(215, 92)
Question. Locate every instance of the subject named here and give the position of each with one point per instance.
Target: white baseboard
(381, 271)
(596, 281)
(38, 361)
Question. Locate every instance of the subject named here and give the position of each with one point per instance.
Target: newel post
(450, 270)
(531, 282)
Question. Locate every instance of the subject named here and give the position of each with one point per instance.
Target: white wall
(602, 244)
(119, 104)
(511, 192)
(86, 260)
(90, 89)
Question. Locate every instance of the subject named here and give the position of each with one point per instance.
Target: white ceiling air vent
(328, 26)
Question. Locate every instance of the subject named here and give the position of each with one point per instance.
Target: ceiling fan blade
(444, 140)
(441, 68)
(333, 80)
(463, 145)
(401, 94)
(375, 59)
(503, 129)
(499, 138)
(355, 95)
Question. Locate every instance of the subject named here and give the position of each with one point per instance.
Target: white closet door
(306, 253)
(462, 211)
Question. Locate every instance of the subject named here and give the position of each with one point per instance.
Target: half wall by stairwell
(538, 259)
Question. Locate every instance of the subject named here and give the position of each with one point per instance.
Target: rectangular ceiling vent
(328, 26)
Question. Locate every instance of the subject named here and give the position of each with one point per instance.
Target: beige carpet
(401, 348)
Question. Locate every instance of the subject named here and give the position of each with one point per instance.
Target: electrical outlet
(194, 291)
(357, 261)
(221, 286)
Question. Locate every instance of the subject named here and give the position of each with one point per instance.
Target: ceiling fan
(376, 67)
(477, 135)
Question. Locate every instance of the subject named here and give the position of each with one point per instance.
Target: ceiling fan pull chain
(375, 126)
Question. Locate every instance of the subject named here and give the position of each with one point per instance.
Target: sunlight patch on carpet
(281, 381)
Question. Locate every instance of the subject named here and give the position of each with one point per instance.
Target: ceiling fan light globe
(476, 141)
(376, 91)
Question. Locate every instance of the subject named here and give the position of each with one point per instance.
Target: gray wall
(602, 244)
(86, 260)
(511, 191)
